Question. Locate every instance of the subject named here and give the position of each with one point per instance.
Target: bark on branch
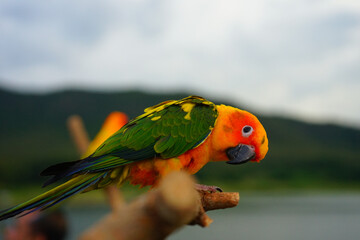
(158, 213)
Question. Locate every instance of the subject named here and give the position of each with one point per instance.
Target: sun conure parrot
(174, 135)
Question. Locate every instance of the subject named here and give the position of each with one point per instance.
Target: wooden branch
(153, 215)
(219, 200)
(78, 133)
(158, 213)
(213, 201)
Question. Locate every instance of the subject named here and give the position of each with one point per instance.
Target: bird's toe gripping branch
(207, 188)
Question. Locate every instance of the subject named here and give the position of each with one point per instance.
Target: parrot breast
(149, 172)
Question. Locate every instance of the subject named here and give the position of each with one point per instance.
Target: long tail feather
(54, 196)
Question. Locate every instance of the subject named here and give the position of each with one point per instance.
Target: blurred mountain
(33, 135)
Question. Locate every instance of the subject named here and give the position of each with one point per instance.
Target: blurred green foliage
(33, 135)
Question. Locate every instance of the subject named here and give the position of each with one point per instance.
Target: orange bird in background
(112, 124)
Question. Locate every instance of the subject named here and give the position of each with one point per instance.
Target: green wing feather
(166, 130)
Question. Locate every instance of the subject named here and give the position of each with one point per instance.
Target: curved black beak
(240, 154)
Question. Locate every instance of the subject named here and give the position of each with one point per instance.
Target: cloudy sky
(298, 57)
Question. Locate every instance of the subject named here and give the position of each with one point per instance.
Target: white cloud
(299, 57)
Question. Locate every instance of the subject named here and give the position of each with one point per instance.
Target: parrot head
(240, 136)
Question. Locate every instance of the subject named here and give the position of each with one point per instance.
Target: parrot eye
(247, 130)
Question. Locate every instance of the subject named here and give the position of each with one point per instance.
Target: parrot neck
(222, 136)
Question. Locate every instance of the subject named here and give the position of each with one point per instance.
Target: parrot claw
(206, 188)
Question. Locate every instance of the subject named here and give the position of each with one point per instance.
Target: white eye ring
(247, 131)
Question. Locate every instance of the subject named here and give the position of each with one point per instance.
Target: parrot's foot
(206, 188)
